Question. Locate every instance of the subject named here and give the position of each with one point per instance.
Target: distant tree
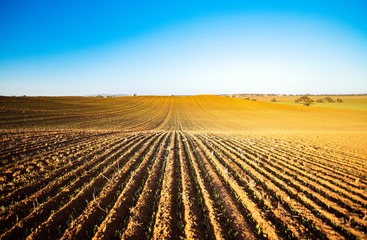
(273, 100)
(320, 100)
(329, 99)
(305, 100)
(134, 94)
(339, 100)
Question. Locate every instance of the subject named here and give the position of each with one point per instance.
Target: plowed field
(199, 169)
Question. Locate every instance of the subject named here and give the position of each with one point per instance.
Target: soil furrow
(19, 210)
(82, 226)
(166, 219)
(248, 164)
(45, 209)
(142, 215)
(196, 221)
(111, 227)
(209, 202)
(288, 226)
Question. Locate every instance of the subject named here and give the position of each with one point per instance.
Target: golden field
(189, 113)
(191, 167)
(339, 127)
(356, 102)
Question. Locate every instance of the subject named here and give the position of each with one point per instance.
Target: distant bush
(305, 100)
(329, 99)
(273, 100)
(320, 100)
(339, 100)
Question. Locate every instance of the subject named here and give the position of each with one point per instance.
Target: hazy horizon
(203, 94)
(183, 48)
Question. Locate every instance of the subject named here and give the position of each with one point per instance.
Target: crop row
(174, 184)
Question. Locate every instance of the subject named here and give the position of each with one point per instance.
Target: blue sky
(182, 47)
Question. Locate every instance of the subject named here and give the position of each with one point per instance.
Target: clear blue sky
(82, 47)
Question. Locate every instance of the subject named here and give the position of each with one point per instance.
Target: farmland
(357, 102)
(196, 167)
